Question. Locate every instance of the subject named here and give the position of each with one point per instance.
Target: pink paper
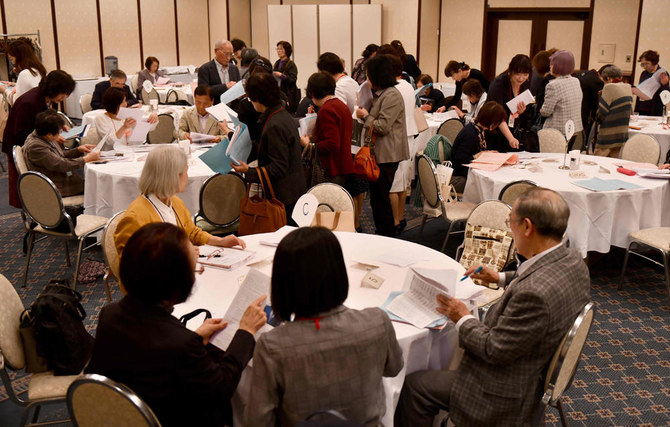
(636, 165)
(497, 158)
(484, 166)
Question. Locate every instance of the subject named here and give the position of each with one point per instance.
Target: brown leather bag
(365, 164)
(261, 214)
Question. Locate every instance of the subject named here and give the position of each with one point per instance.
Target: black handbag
(314, 172)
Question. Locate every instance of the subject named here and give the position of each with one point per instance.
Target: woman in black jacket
(461, 73)
(287, 72)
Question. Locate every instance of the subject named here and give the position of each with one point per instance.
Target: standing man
(219, 73)
(116, 79)
(499, 381)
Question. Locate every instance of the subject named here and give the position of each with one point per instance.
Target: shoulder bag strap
(267, 179)
(188, 316)
(260, 180)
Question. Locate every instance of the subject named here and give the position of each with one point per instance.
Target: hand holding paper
(451, 307)
(526, 97)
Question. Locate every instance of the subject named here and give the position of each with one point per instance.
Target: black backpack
(60, 334)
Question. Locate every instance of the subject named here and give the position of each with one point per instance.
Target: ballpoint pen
(477, 270)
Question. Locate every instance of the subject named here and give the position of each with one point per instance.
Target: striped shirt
(613, 115)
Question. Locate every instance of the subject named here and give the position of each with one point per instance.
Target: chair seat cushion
(85, 225)
(658, 237)
(46, 385)
(73, 200)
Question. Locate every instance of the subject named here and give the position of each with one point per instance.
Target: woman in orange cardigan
(165, 174)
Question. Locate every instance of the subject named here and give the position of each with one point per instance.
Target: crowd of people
(325, 355)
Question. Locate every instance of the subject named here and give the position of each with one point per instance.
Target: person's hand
(227, 242)
(230, 84)
(361, 113)
(442, 109)
(514, 143)
(426, 107)
(520, 108)
(664, 79)
(459, 112)
(153, 118)
(451, 307)
(254, 317)
(242, 168)
(277, 74)
(129, 123)
(664, 166)
(224, 127)
(85, 148)
(208, 327)
(305, 140)
(310, 109)
(93, 156)
(61, 140)
(187, 135)
(217, 138)
(66, 128)
(487, 274)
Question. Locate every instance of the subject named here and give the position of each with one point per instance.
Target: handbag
(365, 164)
(314, 172)
(334, 221)
(34, 362)
(261, 214)
(420, 120)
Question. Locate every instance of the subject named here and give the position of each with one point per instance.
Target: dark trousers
(380, 202)
(423, 394)
(13, 181)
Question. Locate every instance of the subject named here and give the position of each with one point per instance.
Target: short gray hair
(220, 43)
(612, 72)
(160, 175)
(546, 209)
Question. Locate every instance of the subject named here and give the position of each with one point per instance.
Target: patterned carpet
(623, 378)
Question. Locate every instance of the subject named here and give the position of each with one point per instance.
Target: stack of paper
(201, 137)
(75, 132)
(273, 239)
(597, 184)
(648, 88)
(441, 117)
(228, 258)
(233, 93)
(490, 161)
(365, 96)
(239, 147)
(307, 125)
(162, 81)
(142, 127)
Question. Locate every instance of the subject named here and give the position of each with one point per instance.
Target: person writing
(477, 98)
(197, 119)
(500, 378)
(432, 98)
(116, 79)
(141, 344)
(461, 73)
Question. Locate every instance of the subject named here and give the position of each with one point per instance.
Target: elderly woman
(613, 113)
(279, 150)
(563, 96)
(165, 174)
(28, 68)
(184, 379)
(386, 123)
(151, 72)
(325, 355)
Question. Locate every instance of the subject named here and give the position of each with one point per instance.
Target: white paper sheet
(201, 137)
(524, 96)
(162, 81)
(234, 92)
(649, 87)
(142, 127)
(307, 125)
(365, 96)
(442, 117)
(222, 113)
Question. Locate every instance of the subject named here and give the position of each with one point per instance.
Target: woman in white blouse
(28, 68)
(109, 124)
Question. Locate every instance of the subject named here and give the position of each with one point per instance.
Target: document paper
(526, 97)
(253, 286)
(307, 125)
(76, 132)
(647, 89)
(597, 184)
(234, 92)
(201, 137)
(142, 127)
(365, 96)
(490, 161)
(239, 147)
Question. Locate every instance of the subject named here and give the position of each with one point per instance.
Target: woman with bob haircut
(358, 72)
(649, 62)
(386, 119)
(165, 174)
(563, 96)
(150, 72)
(279, 151)
(324, 355)
(471, 141)
(287, 73)
(184, 379)
(28, 68)
(109, 124)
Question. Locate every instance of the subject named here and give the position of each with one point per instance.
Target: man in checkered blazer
(500, 379)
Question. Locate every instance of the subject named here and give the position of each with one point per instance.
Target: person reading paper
(197, 120)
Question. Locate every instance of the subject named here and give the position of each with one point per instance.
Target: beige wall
(193, 33)
(28, 16)
(399, 22)
(654, 32)
(158, 30)
(259, 26)
(430, 35)
(240, 20)
(79, 50)
(614, 22)
(461, 33)
(218, 24)
(539, 3)
(120, 33)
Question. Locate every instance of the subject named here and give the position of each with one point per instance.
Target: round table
(109, 188)
(422, 348)
(651, 125)
(598, 220)
(175, 110)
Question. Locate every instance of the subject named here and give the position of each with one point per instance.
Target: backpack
(60, 334)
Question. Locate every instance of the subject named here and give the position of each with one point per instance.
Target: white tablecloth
(652, 126)
(598, 220)
(175, 110)
(111, 187)
(422, 139)
(422, 349)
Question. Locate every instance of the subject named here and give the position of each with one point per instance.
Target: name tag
(510, 122)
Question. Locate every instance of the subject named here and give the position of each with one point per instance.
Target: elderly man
(197, 119)
(499, 379)
(219, 73)
(116, 79)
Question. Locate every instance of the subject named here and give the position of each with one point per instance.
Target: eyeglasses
(509, 221)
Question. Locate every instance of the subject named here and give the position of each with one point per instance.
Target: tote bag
(261, 214)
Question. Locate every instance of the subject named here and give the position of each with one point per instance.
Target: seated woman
(461, 73)
(165, 174)
(476, 96)
(184, 379)
(434, 98)
(109, 124)
(325, 355)
(471, 141)
(151, 72)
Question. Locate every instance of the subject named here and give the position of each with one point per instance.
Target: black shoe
(400, 227)
(359, 229)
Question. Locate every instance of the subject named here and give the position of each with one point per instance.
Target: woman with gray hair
(165, 174)
(616, 103)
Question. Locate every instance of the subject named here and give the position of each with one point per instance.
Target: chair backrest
(66, 118)
(450, 129)
(429, 182)
(108, 247)
(147, 96)
(332, 198)
(551, 141)
(133, 83)
(41, 199)
(220, 197)
(563, 364)
(85, 102)
(91, 136)
(11, 346)
(20, 160)
(641, 148)
(93, 398)
(164, 132)
(514, 189)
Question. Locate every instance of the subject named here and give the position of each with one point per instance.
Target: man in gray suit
(499, 381)
(219, 73)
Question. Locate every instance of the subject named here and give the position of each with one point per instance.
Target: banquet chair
(434, 202)
(43, 388)
(133, 83)
(95, 399)
(514, 189)
(85, 103)
(334, 198)
(563, 365)
(164, 132)
(110, 253)
(70, 143)
(148, 96)
(91, 136)
(43, 205)
(641, 148)
(551, 141)
(657, 238)
(220, 197)
(450, 129)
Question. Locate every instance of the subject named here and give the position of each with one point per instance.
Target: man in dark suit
(499, 381)
(219, 73)
(116, 79)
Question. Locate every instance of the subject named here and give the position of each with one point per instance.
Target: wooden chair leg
(559, 405)
(423, 222)
(106, 279)
(666, 255)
